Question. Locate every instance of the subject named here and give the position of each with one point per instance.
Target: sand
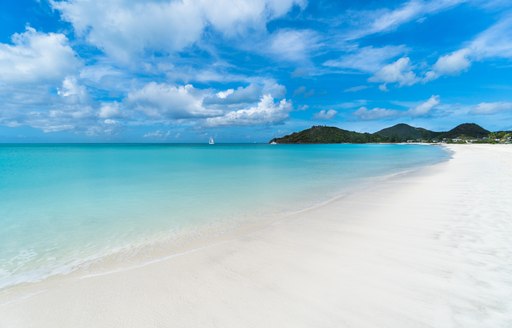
(427, 249)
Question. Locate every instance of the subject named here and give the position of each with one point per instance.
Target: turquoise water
(62, 205)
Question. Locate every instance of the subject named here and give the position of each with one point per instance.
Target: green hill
(326, 134)
(403, 132)
(470, 130)
(397, 133)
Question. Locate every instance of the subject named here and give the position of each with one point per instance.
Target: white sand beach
(428, 249)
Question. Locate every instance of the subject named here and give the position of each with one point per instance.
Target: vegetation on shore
(463, 133)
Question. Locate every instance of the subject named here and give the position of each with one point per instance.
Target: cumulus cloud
(110, 110)
(71, 108)
(57, 117)
(127, 28)
(39, 84)
(400, 71)
(325, 114)
(122, 28)
(224, 94)
(35, 57)
(265, 112)
(246, 94)
(163, 101)
(235, 16)
(72, 91)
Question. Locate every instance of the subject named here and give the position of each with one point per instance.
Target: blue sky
(247, 71)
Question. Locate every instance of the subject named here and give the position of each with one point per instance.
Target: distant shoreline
(463, 133)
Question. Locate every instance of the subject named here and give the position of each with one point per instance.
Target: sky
(248, 71)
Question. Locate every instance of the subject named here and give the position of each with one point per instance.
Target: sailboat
(211, 141)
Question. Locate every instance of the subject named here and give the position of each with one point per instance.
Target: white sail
(211, 141)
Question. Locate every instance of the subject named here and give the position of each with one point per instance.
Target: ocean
(64, 206)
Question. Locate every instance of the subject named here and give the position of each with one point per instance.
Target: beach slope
(427, 249)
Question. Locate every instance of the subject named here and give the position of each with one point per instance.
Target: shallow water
(62, 205)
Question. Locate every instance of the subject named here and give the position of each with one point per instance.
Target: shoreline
(339, 245)
(165, 246)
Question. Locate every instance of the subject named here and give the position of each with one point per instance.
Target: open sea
(62, 206)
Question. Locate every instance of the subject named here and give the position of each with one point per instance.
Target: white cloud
(109, 110)
(225, 94)
(375, 113)
(422, 109)
(248, 94)
(163, 101)
(59, 117)
(39, 86)
(292, 45)
(35, 57)
(250, 105)
(235, 16)
(487, 108)
(71, 109)
(400, 71)
(110, 121)
(265, 112)
(425, 107)
(279, 8)
(495, 42)
(387, 20)
(126, 28)
(451, 64)
(325, 114)
(72, 91)
(367, 59)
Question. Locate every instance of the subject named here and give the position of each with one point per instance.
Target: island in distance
(463, 133)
